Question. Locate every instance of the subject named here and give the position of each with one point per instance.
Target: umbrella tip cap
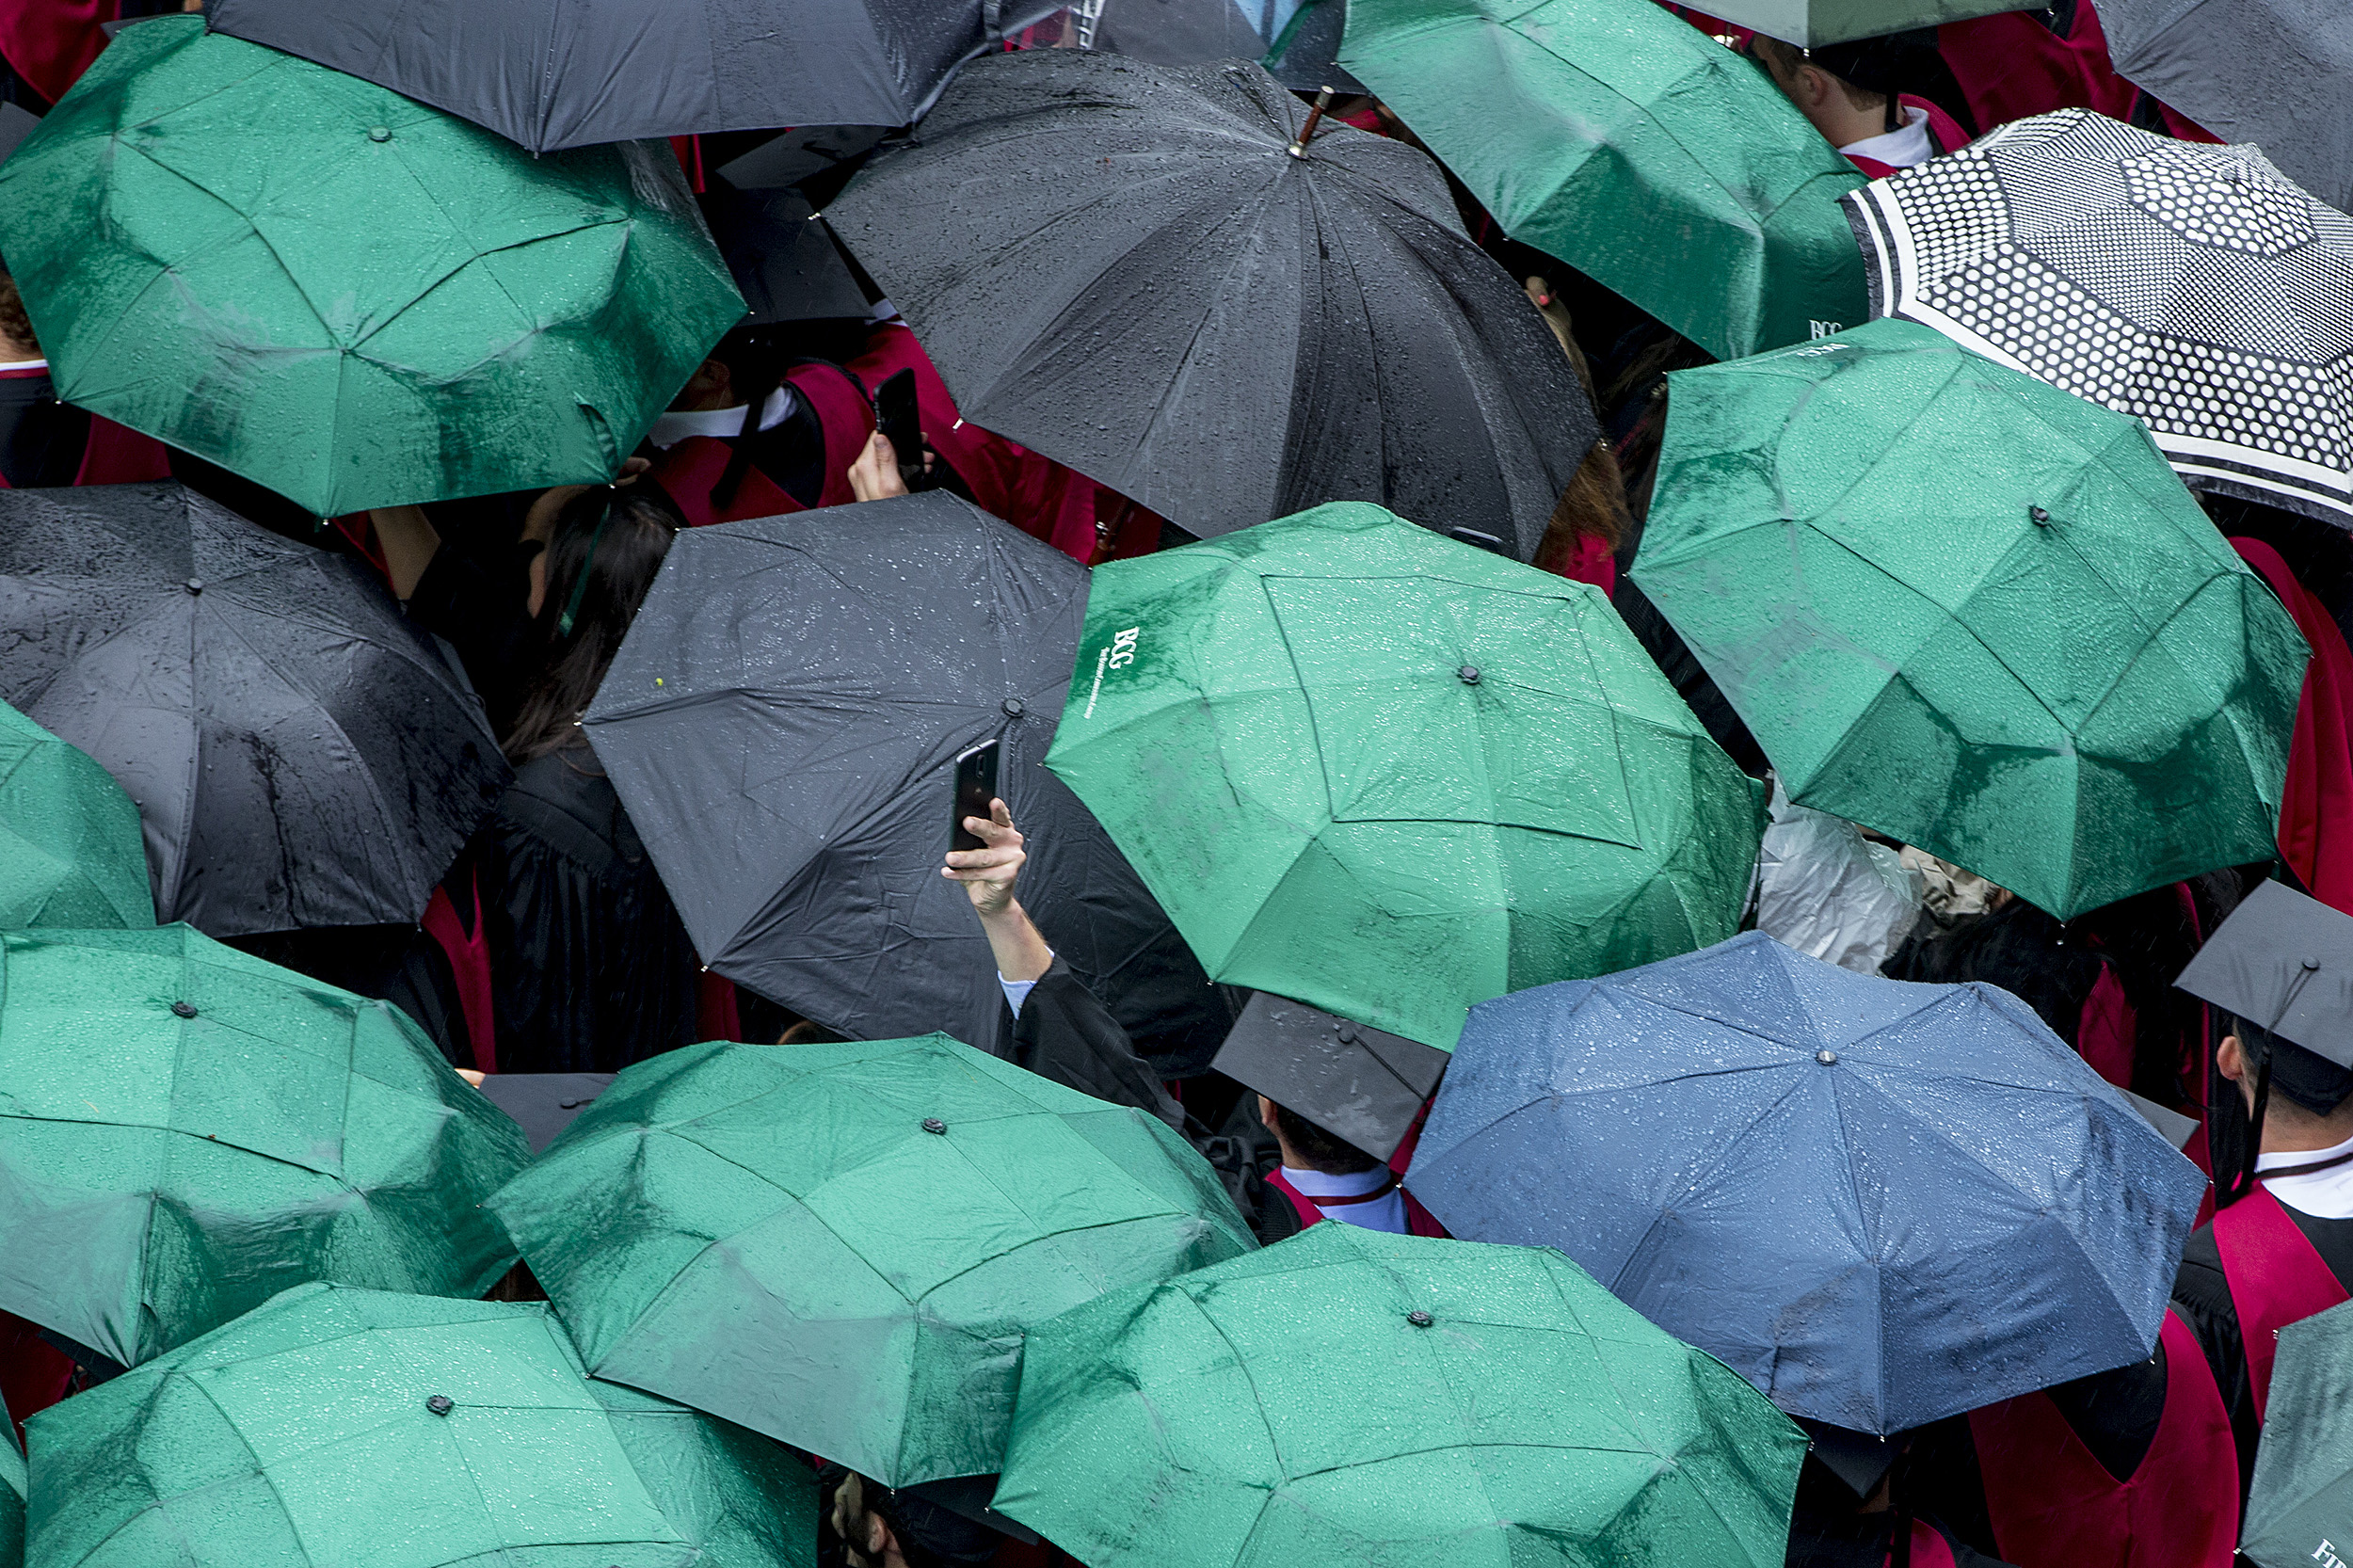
(1827, 1058)
(441, 1404)
(933, 1123)
(183, 1010)
(1420, 1319)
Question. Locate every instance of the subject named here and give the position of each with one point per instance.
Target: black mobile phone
(895, 416)
(976, 786)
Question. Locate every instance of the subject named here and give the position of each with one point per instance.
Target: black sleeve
(476, 602)
(2202, 1294)
(1064, 1034)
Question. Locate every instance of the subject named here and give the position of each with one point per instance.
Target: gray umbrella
(2276, 72)
(556, 73)
(1124, 267)
(300, 755)
(782, 724)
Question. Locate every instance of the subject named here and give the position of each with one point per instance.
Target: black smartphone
(895, 416)
(976, 786)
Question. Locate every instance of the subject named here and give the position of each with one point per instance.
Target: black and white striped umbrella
(2194, 287)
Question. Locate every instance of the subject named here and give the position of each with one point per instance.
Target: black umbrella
(554, 73)
(787, 265)
(302, 756)
(1302, 47)
(1125, 267)
(782, 725)
(1175, 32)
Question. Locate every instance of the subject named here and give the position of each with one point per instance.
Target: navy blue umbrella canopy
(1881, 1203)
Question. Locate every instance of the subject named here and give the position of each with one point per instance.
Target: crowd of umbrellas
(1364, 773)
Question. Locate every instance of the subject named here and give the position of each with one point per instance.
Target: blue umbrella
(1881, 1203)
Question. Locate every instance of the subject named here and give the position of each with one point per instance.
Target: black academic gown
(42, 440)
(590, 968)
(474, 595)
(2202, 1294)
(1064, 1033)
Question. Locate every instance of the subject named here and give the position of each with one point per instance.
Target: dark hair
(1329, 1154)
(2304, 1076)
(1592, 506)
(13, 321)
(618, 537)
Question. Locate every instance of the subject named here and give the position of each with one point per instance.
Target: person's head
(1592, 508)
(17, 343)
(586, 588)
(1843, 111)
(2310, 1096)
(1310, 1147)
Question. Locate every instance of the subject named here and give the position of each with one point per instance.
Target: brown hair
(14, 323)
(1592, 508)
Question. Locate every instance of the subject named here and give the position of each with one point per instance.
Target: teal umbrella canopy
(2300, 1507)
(1974, 612)
(1383, 773)
(71, 850)
(842, 1245)
(332, 1427)
(11, 1498)
(343, 295)
(1348, 1397)
(1618, 137)
(186, 1130)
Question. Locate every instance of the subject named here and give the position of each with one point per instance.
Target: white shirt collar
(2324, 1194)
(1323, 1184)
(678, 423)
(1898, 149)
(26, 364)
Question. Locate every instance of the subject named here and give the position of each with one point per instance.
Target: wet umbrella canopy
(186, 1130)
(1123, 266)
(1349, 1398)
(2192, 287)
(556, 73)
(300, 754)
(345, 296)
(842, 1245)
(1635, 148)
(1881, 1202)
(2272, 71)
(11, 1496)
(1974, 612)
(1389, 775)
(2302, 1498)
(70, 852)
(783, 722)
(334, 1427)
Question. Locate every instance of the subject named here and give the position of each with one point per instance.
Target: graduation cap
(1858, 1459)
(800, 153)
(1354, 1081)
(16, 123)
(2283, 964)
(783, 260)
(543, 1104)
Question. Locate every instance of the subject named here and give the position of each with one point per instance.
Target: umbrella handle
(1298, 149)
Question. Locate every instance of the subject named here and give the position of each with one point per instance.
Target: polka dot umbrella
(2194, 287)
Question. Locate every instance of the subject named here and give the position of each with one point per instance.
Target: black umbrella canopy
(302, 756)
(556, 74)
(782, 724)
(1123, 266)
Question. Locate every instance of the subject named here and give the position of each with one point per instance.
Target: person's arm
(410, 542)
(987, 874)
(875, 477)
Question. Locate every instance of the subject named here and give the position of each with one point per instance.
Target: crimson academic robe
(691, 469)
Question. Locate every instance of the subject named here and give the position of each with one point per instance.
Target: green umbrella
(1974, 612)
(71, 853)
(333, 1427)
(841, 1245)
(185, 1131)
(11, 1496)
(1372, 769)
(343, 295)
(1348, 1396)
(2300, 1509)
(1624, 140)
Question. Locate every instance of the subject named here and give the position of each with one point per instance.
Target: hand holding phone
(975, 786)
(896, 417)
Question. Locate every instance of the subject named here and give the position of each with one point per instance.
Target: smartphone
(895, 416)
(976, 786)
